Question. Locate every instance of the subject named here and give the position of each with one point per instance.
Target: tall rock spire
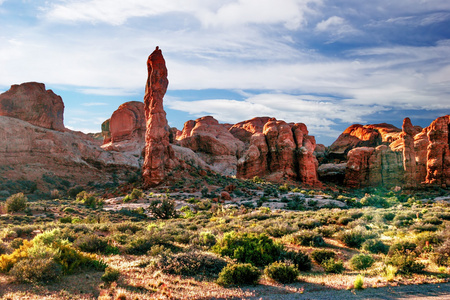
(159, 155)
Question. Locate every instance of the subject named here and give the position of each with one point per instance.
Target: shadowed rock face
(159, 155)
(32, 103)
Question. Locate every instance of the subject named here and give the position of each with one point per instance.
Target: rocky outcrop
(407, 158)
(159, 155)
(363, 136)
(277, 150)
(32, 103)
(438, 152)
(35, 153)
(213, 143)
(125, 130)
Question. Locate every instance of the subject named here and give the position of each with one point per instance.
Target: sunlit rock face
(409, 158)
(276, 150)
(32, 103)
(159, 155)
(125, 130)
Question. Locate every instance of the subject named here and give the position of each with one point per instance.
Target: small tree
(163, 209)
(16, 202)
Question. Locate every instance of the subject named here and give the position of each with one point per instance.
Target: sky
(325, 63)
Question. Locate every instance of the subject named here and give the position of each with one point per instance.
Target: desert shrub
(374, 200)
(73, 260)
(375, 246)
(127, 227)
(3, 248)
(344, 220)
(44, 270)
(279, 230)
(442, 254)
(307, 238)
(89, 199)
(359, 282)
(281, 272)
(136, 194)
(388, 216)
(405, 263)
(16, 202)
(361, 261)
(299, 259)
(49, 237)
(74, 191)
(190, 263)
(162, 209)
(333, 266)
(326, 231)
(424, 228)
(238, 274)
(321, 255)
(402, 247)
(16, 243)
(354, 237)
(140, 244)
(205, 238)
(309, 224)
(404, 219)
(258, 250)
(91, 243)
(110, 275)
(7, 261)
(432, 220)
(296, 203)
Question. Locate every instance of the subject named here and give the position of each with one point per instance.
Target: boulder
(32, 103)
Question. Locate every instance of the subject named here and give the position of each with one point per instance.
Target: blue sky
(326, 63)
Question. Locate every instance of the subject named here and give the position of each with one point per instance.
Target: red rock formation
(244, 130)
(159, 155)
(414, 157)
(32, 103)
(125, 130)
(33, 152)
(276, 150)
(213, 142)
(363, 136)
(438, 153)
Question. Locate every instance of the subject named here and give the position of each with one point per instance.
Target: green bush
(375, 246)
(307, 238)
(333, 266)
(281, 272)
(16, 243)
(162, 209)
(321, 255)
(258, 250)
(91, 243)
(405, 263)
(16, 203)
(74, 191)
(238, 274)
(44, 270)
(361, 261)
(359, 282)
(110, 275)
(374, 200)
(190, 263)
(353, 238)
(442, 254)
(142, 243)
(136, 194)
(299, 259)
(402, 247)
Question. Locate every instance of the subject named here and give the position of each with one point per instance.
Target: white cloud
(319, 114)
(337, 28)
